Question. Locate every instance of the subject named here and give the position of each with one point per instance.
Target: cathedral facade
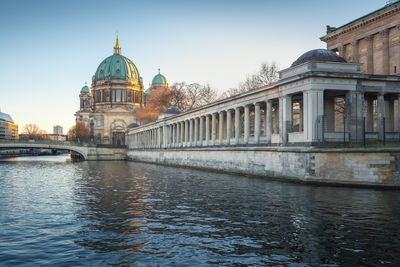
(108, 108)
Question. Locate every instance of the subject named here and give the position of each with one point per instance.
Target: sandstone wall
(380, 168)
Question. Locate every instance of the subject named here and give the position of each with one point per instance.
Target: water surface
(55, 212)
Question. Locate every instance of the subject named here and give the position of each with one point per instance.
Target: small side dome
(159, 79)
(172, 110)
(318, 55)
(133, 125)
(85, 89)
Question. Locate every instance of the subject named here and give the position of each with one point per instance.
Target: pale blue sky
(49, 49)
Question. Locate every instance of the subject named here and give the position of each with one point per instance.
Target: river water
(57, 213)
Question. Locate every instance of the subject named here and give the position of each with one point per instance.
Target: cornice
(362, 23)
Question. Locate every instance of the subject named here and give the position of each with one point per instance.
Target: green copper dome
(159, 79)
(85, 89)
(116, 67)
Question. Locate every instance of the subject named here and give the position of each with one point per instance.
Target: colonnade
(288, 119)
(245, 124)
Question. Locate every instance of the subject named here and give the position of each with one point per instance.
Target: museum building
(372, 40)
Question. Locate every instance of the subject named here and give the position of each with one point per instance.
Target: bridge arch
(80, 150)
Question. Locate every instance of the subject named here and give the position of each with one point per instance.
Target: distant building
(57, 137)
(8, 129)
(373, 40)
(58, 130)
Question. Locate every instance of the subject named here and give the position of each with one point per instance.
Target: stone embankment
(378, 167)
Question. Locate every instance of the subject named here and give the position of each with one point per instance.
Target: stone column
(213, 128)
(268, 121)
(174, 135)
(159, 137)
(329, 114)
(257, 122)
(285, 117)
(369, 119)
(370, 54)
(313, 108)
(207, 130)
(221, 128)
(398, 113)
(191, 132)
(201, 131)
(164, 133)
(354, 46)
(354, 113)
(246, 124)
(342, 51)
(389, 115)
(385, 52)
(237, 125)
(301, 126)
(178, 134)
(229, 125)
(381, 115)
(196, 132)
(186, 133)
(182, 134)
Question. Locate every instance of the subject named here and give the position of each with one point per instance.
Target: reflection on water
(55, 212)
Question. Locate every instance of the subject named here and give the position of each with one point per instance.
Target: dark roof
(133, 125)
(5, 117)
(318, 55)
(172, 110)
(333, 29)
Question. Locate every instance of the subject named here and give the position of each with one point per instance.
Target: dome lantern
(117, 48)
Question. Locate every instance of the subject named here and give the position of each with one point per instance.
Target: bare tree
(178, 96)
(32, 131)
(267, 75)
(189, 96)
(207, 95)
(79, 131)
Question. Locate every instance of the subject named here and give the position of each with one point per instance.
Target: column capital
(369, 38)
(384, 33)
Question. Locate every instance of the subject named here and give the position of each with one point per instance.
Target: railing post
(384, 131)
(344, 130)
(363, 131)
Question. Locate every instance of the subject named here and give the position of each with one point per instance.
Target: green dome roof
(116, 67)
(159, 79)
(85, 89)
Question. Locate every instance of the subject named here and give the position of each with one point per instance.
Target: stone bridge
(86, 152)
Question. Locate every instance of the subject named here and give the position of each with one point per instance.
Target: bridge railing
(63, 143)
(44, 142)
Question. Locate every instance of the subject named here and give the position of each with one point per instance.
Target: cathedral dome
(117, 67)
(159, 79)
(318, 55)
(85, 89)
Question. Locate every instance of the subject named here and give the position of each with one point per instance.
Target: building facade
(372, 40)
(115, 95)
(58, 129)
(8, 129)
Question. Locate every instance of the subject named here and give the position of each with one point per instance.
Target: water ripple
(57, 213)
